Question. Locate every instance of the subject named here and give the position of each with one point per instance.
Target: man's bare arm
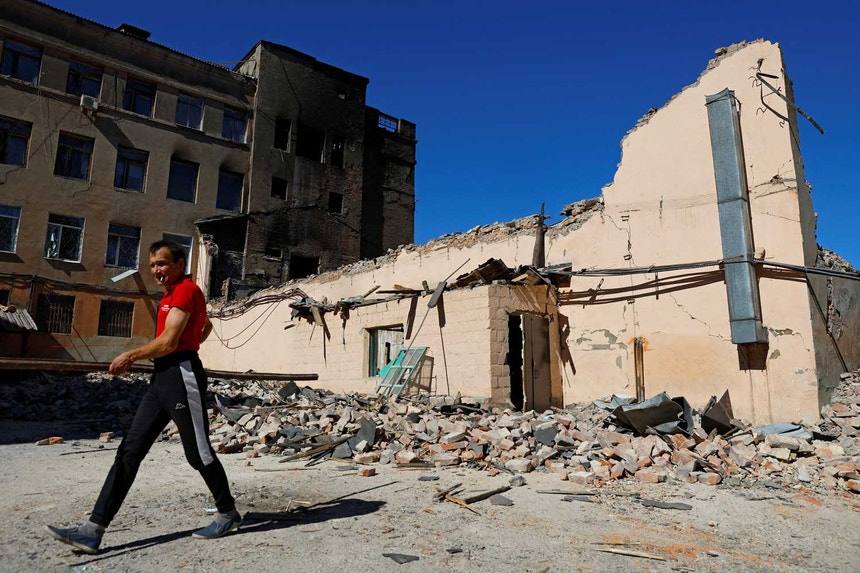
(207, 328)
(162, 345)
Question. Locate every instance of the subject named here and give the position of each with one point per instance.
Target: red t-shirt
(187, 296)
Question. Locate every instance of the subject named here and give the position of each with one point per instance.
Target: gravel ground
(327, 518)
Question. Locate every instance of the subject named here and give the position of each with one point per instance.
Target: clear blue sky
(522, 102)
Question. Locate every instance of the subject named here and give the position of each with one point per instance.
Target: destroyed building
(276, 168)
(693, 273)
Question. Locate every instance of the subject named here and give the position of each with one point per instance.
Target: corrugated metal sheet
(18, 320)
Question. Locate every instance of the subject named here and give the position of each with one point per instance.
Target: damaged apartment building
(695, 272)
(276, 169)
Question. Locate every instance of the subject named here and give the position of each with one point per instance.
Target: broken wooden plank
(314, 451)
(482, 496)
(460, 502)
(630, 553)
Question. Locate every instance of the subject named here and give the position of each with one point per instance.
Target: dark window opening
(335, 202)
(310, 143)
(301, 267)
(21, 61)
(83, 80)
(229, 191)
(182, 184)
(123, 246)
(73, 156)
(115, 318)
(337, 145)
(279, 188)
(55, 313)
(130, 170)
(235, 124)
(4, 296)
(189, 111)
(138, 97)
(14, 136)
(273, 253)
(282, 134)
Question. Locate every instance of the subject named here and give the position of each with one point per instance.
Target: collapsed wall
(660, 212)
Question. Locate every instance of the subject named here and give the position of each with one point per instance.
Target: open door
(536, 363)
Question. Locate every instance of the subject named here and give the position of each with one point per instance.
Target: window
(387, 123)
(9, 218)
(336, 157)
(130, 170)
(4, 296)
(55, 313)
(185, 242)
(279, 188)
(282, 134)
(189, 111)
(182, 184)
(229, 191)
(310, 143)
(235, 124)
(123, 246)
(64, 238)
(272, 253)
(21, 61)
(301, 267)
(335, 202)
(384, 345)
(138, 97)
(83, 80)
(115, 318)
(73, 156)
(14, 136)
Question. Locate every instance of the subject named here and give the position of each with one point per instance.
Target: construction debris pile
(585, 443)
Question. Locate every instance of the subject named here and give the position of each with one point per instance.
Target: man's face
(164, 269)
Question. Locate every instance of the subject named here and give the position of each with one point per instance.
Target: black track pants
(176, 392)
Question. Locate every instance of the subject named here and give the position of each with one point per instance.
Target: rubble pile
(582, 443)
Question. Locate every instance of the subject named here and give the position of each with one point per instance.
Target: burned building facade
(693, 273)
(111, 141)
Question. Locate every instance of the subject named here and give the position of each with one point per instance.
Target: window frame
(226, 177)
(185, 105)
(56, 313)
(6, 213)
(116, 318)
(18, 130)
(124, 157)
(336, 201)
(233, 118)
(60, 226)
(82, 72)
(173, 180)
(375, 359)
(13, 53)
(71, 147)
(122, 234)
(286, 185)
(136, 89)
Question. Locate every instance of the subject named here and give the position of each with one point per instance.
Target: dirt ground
(327, 518)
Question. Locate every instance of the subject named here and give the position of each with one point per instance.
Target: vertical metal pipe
(639, 367)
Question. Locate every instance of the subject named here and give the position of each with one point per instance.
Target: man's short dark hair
(176, 250)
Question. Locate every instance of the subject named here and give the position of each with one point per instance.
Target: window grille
(115, 318)
(55, 313)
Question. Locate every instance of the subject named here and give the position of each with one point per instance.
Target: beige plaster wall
(660, 210)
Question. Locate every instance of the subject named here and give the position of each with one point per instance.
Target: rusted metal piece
(639, 365)
(51, 365)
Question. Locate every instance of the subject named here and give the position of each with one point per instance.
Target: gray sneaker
(72, 536)
(216, 529)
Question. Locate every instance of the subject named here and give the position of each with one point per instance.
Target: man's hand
(121, 363)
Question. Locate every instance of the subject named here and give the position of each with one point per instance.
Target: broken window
(310, 143)
(9, 220)
(335, 202)
(83, 80)
(73, 156)
(55, 313)
(115, 318)
(182, 184)
(21, 61)
(279, 188)
(229, 191)
(384, 344)
(64, 238)
(183, 241)
(14, 136)
(189, 111)
(282, 134)
(235, 124)
(130, 170)
(123, 246)
(138, 97)
(301, 266)
(337, 145)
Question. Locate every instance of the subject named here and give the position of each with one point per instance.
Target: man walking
(176, 392)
